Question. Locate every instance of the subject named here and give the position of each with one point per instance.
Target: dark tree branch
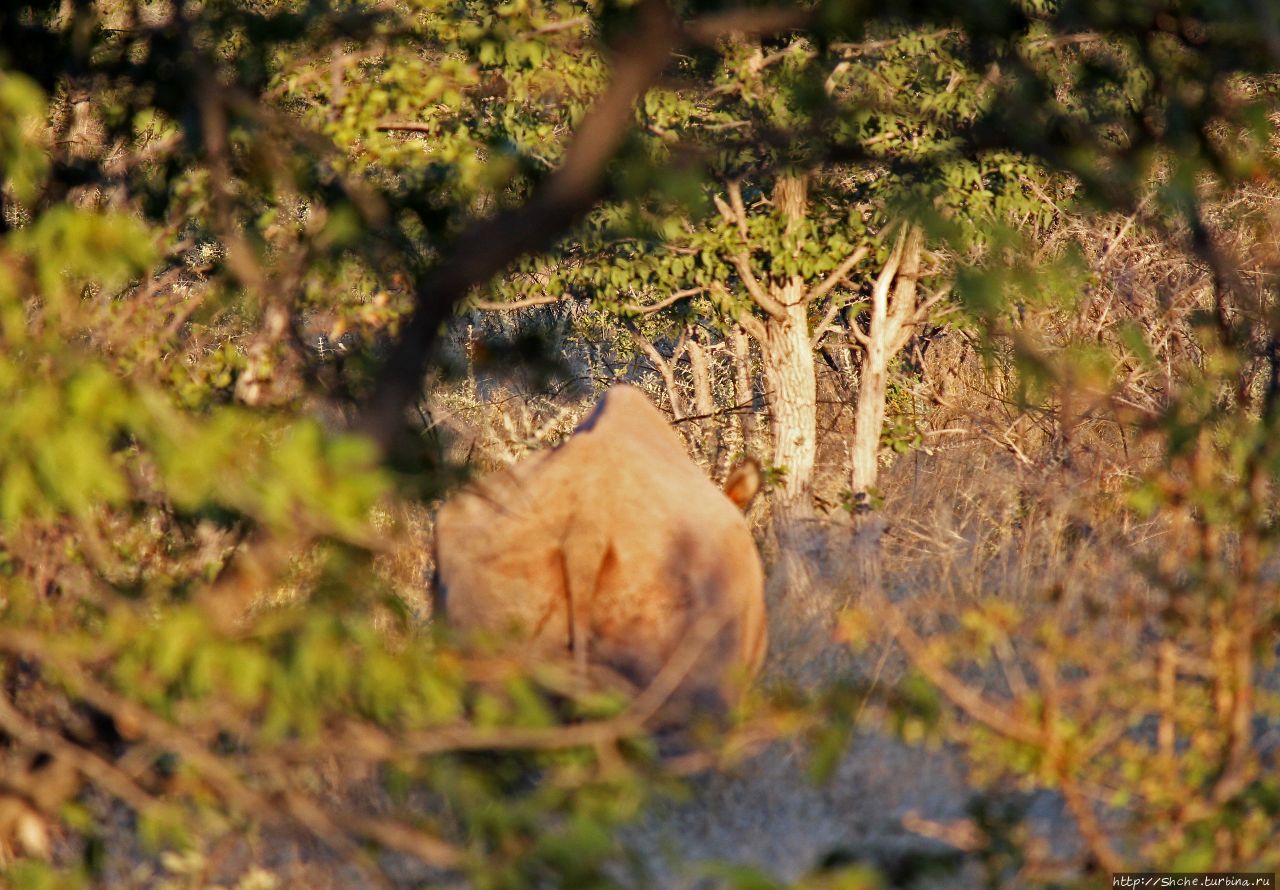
(822, 288)
(563, 199)
(545, 300)
(490, 245)
(664, 303)
(405, 127)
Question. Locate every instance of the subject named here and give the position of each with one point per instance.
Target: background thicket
(990, 291)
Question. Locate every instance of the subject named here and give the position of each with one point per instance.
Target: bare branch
(490, 306)
(746, 320)
(700, 635)
(752, 326)
(742, 264)
(908, 274)
(222, 778)
(739, 208)
(836, 275)
(662, 366)
(400, 837)
(968, 699)
(922, 314)
(1094, 834)
(833, 79)
(903, 315)
(663, 304)
(880, 297)
(856, 49)
(963, 834)
(100, 772)
(859, 336)
(563, 25)
(365, 742)
(825, 324)
(725, 212)
(405, 127)
(736, 215)
(880, 293)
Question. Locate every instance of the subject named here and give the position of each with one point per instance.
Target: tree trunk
(887, 330)
(787, 353)
(792, 397)
(704, 406)
(789, 372)
(665, 369)
(868, 419)
(868, 524)
(743, 392)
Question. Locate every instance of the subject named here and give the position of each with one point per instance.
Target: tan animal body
(615, 550)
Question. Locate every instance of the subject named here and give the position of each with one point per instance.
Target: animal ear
(743, 483)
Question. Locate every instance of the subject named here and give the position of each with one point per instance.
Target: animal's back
(619, 516)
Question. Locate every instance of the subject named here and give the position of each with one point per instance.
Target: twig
(663, 304)
(405, 126)
(563, 25)
(489, 306)
(969, 700)
(836, 275)
(661, 365)
(98, 771)
(224, 780)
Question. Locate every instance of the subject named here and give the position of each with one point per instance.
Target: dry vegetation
(1024, 512)
(1021, 514)
(1039, 647)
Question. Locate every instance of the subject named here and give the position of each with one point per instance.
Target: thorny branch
(353, 741)
(222, 779)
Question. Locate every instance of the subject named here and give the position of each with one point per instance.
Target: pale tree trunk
(868, 420)
(743, 391)
(889, 326)
(665, 369)
(792, 396)
(704, 407)
(793, 407)
(789, 372)
(787, 354)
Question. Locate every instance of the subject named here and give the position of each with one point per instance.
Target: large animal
(613, 550)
